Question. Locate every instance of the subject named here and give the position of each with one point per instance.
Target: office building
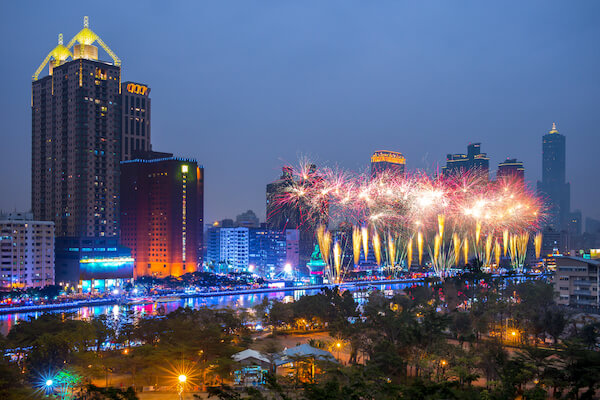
(267, 251)
(511, 169)
(474, 160)
(92, 265)
(76, 139)
(26, 251)
(254, 249)
(247, 219)
(592, 225)
(135, 125)
(576, 281)
(553, 185)
(162, 213)
(390, 162)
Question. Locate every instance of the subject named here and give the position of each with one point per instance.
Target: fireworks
(394, 213)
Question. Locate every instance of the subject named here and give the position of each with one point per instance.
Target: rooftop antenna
(86, 22)
(60, 38)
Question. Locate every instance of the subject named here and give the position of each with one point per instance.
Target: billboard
(106, 268)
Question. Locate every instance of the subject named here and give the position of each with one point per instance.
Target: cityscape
(141, 268)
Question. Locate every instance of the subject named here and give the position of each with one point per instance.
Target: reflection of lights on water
(115, 310)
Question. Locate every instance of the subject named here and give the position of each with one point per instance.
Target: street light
(182, 378)
(338, 345)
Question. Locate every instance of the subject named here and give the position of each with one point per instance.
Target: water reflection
(118, 312)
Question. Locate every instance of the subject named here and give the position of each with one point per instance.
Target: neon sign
(137, 89)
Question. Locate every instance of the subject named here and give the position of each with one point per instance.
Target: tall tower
(76, 139)
(553, 184)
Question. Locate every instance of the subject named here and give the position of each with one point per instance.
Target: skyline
(326, 121)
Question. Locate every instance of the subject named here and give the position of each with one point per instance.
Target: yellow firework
(377, 247)
(337, 258)
(538, 244)
(356, 235)
(391, 251)
(456, 244)
(420, 247)
(409, 252)
(365, 241)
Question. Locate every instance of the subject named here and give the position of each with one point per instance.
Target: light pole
(182, 378)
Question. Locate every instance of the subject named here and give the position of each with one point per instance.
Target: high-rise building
(247, 219)
(162, 214)
(76, 139)
(135, 102)
(592, 225)
(267, 250)
(26, 251)
(553, 184)
(390, 162)
(474, 160)
(256, 249)
(511, 169)
(574, 223)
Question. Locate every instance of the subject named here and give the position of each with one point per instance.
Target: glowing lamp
(287, 268)
(182, 378)
(49, 382)
(184, 169)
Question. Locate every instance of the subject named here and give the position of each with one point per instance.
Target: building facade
(511, 168)
(76, 139)
(576, 281)
(26, 251)
(390, 162)
(553, 184)
(135, 102)
(162, 214)
(255, 249)
(92, 265)
(474, 160)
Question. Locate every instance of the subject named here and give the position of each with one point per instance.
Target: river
(7, 321)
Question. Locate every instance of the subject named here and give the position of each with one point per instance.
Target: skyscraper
(76, 139)
(553, 184)
(162, 214)
(387, 161)
(136, 119)
(474, 160)
(511, 168)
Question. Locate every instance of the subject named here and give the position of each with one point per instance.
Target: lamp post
(182, 379)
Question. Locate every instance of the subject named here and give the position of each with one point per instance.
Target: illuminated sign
(106, 268)
(137, 89)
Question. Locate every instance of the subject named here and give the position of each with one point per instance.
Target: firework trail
(356, 236)
(538, 245)
(414, 206)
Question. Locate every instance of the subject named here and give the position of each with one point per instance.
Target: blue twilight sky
(245, 86)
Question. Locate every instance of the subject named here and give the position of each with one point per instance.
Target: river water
(7, 321)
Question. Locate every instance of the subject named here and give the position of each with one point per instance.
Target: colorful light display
(442, 215)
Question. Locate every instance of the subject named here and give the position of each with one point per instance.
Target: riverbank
(177, 296)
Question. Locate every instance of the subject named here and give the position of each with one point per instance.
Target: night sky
(247, 86)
